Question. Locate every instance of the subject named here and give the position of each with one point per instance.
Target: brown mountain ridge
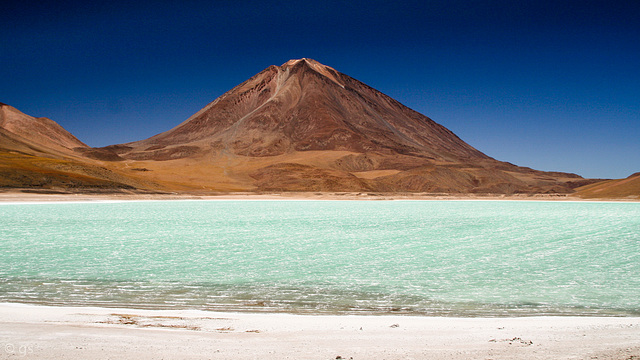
(37, 153)
(304, 126)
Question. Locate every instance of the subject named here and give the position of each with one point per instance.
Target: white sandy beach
(38, 332)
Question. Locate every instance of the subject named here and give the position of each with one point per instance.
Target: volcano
(304, 126)
(303, 106)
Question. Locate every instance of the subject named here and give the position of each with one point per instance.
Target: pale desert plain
(52, 332)
(43, 332)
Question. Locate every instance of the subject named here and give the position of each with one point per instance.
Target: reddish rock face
(301, 126)
(304, 105)
(273, 125)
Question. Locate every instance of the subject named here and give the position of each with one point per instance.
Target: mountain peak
(293, 62)
(316, 66)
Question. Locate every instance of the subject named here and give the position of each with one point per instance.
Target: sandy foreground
(28, 331)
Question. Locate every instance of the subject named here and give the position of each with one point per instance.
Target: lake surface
(445, 258)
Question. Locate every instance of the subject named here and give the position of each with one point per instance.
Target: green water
(463, 258)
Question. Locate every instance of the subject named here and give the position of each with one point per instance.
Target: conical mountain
(303, 126)
(304, 105)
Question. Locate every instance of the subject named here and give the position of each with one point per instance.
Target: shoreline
(93, 332)
(34, 196)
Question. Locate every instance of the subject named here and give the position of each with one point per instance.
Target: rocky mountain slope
(304, 126)
(301, 126)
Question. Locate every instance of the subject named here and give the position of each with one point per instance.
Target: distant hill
(37, 153)
(37, 133)
(611, 189)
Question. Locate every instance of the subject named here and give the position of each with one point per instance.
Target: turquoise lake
(443, 258)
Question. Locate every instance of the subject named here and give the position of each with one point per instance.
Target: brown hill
(37, 133)
(37, 153)
(612, 189)
(304, 126)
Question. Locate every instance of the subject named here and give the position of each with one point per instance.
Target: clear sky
(553, 85)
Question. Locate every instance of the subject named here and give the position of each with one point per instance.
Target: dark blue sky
(553, 85)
